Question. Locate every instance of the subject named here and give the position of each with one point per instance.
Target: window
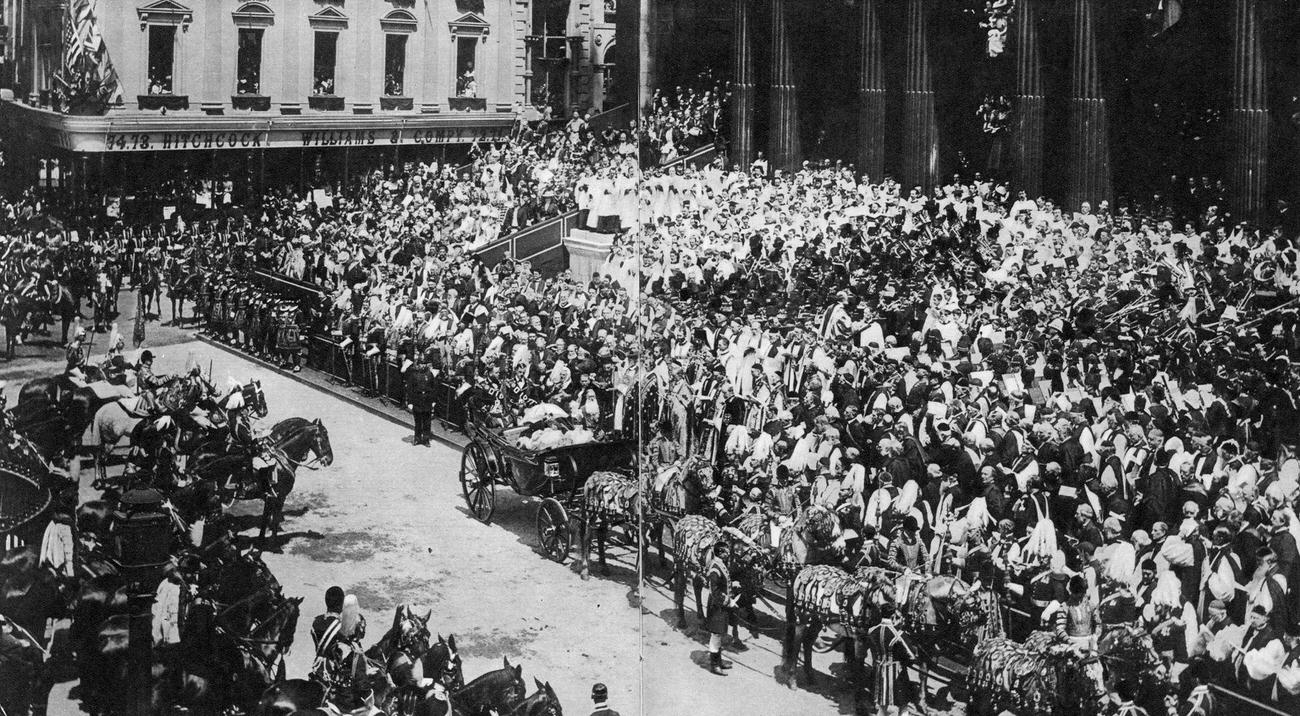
(394, 65)
(466, 83)
(325, 54)
(162, 58)
(248, 62)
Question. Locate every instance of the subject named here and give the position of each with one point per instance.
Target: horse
(694, 537)
(499, 691)
(148, 436)
(177, 290)
(1128, 649)
(942, 610)
(55, 411)
(150, 288)
(680, 489)
(290, 442)
(822, 596)
(259, 653)
(208, 434)
(813, 537)
(542, 702)
(1044, 676)
(608, 499)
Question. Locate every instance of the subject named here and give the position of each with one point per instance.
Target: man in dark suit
(419, 398)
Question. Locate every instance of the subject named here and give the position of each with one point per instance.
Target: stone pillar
(1248, 118)
(871, 95)
(1029, 107)
(920, 128)
(647, 72)
(742, 87)
(783, 140)
(588, 252)
(1089, 138)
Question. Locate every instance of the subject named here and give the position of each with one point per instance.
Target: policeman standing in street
(419, 398)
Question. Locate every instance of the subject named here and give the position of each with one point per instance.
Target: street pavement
(387, 522)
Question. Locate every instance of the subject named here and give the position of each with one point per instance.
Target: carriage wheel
(477, 484)
(553, 530)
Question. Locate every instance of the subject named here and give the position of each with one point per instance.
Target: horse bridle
(312, 464)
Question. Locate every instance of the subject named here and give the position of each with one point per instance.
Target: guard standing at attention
(419, 398)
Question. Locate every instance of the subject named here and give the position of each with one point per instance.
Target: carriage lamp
(552, 468)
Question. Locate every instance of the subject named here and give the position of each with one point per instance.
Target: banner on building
(182, 139)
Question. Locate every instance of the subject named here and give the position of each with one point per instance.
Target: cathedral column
(920, 128)
(742, 87)
(871, 95)
(1089, 139)
(783, 142)
(1029, 108)
(1248, 117)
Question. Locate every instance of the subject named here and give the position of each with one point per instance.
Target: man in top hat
(599, 698)
(145, 378)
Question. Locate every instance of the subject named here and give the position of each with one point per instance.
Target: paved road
(387, 522)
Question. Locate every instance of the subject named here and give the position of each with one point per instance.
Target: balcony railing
(325, 102)
(253, 102)
(171, 102)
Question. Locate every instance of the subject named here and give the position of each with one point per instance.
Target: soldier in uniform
(326, 634)
(76, 353)
(891, 656)
(419, 399)
(599, 696)
(718, 610)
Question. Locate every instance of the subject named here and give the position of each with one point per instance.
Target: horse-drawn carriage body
(25, 502)
(555, 475)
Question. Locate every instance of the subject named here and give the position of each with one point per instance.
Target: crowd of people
(1090, 413)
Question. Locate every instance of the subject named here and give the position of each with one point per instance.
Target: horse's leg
(697, 584)
(790, 655)
(678, 580)
(602, 539)
(584, 534)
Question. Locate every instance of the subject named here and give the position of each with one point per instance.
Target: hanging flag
(86, 79)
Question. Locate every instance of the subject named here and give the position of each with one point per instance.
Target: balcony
(389, 103)
(170, 102)
(251, 102)
(325, 103)
(467, 104)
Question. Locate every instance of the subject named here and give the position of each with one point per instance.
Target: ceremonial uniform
(419, 395)
(891, 655)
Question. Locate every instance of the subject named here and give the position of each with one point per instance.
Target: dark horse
(150, 288)
(499, 691)
(54, 412)
(287, 448)
(542, 702)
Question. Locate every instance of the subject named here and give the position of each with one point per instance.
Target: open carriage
(555, 475)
